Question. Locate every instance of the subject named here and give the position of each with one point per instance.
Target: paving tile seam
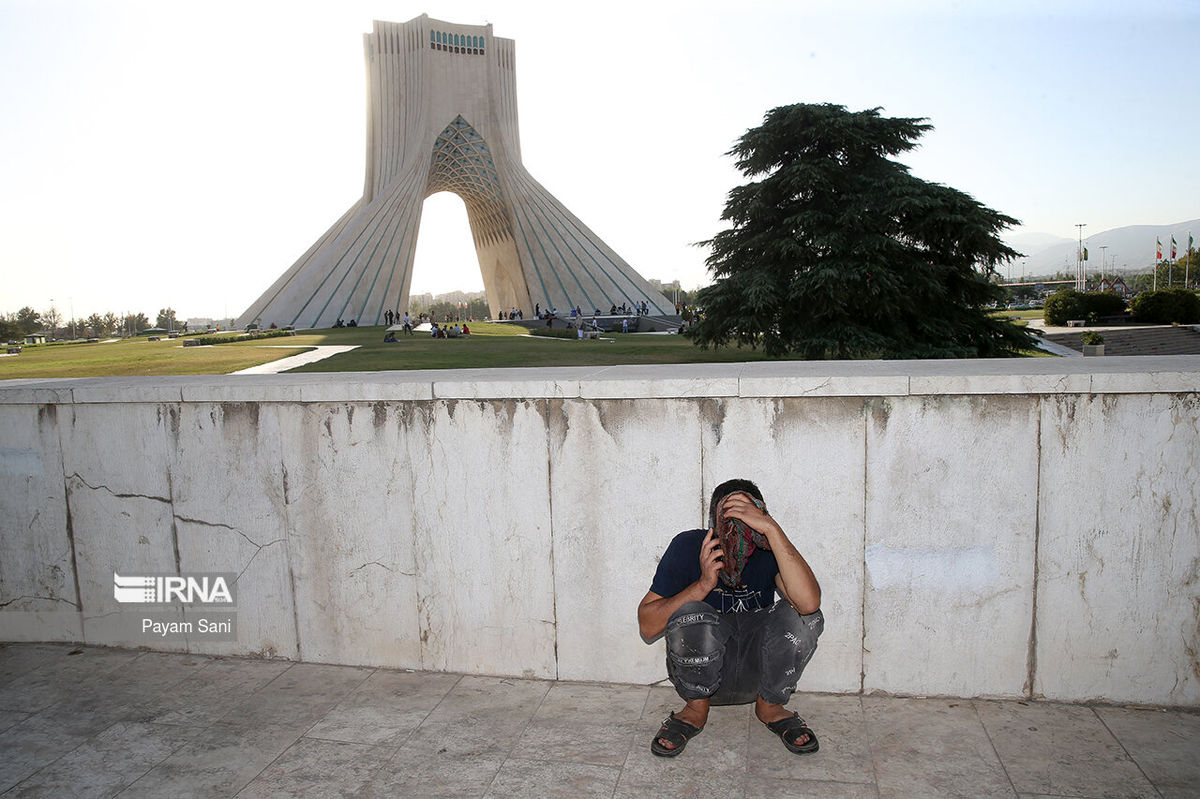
(633, 741)
(164, 759)
(866, 728)
(996, 752)
(517, 737)
(83, 742)
(382, 747)
(413, 732)
(305, 737)
(1129, 756)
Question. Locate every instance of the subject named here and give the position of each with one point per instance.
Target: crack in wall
(380, 565)
(42, 598)
(863, 651)
(543, 407)
(118, 495)
(261, 547)
(1031, 655)
(70, 522)
(174, 424)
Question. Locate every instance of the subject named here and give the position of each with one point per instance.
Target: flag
(1157, 250)
(1172, 248)
(1085, 253)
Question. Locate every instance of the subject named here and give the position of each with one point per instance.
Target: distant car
(251, 326)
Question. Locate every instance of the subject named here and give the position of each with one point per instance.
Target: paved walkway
(89, 721)
(315, 353)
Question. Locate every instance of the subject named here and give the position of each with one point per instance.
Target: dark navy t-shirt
(680, 567)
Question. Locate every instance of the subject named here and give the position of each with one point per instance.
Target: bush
(1091, 337)
(554, 332)
(1067, 304)
(204, 341)
(1174, 305)
(1103, 303)
(1063, 305)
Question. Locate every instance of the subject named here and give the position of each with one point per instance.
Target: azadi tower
(442, 116)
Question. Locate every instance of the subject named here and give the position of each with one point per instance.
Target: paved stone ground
(89, 721)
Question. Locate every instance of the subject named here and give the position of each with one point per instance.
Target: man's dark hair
(725, 489)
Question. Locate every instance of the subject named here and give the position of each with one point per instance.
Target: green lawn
(496, 345)
(137, 356)
(1019, 316)
(490, 345)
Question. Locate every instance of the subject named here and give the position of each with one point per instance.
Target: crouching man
(728, 640)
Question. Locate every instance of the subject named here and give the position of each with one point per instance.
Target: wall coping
(1115, 374)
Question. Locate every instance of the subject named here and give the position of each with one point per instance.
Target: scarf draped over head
(738, 541)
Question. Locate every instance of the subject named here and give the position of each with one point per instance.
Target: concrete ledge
(1167, 374)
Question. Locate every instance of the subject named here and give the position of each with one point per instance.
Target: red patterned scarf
(738, 542)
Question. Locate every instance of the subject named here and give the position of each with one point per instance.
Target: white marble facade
(986, 533)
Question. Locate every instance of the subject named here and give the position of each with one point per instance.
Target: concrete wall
(1014, 528)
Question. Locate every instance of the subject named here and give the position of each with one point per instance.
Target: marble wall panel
(228, 503)
(1118, 608)
(806, 455)
(119, 508)
(349, 489)
(37, 569)
(516, 534)
(481, 531)
(951, 489)
(626, 479)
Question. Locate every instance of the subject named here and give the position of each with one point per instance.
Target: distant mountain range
(1129, 249)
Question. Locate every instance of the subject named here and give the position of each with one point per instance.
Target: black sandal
(792, 729)
(676, 732)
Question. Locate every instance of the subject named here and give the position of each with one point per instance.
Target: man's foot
(790, 728)
(694, 714)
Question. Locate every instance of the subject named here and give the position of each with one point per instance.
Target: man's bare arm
(654, 611)
(796, 580)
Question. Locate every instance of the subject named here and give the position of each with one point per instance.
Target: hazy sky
(186, 154)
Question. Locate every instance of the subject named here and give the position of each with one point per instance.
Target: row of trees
(1168, 273)
(54, 325)
(454, 305)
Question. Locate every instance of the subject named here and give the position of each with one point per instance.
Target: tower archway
(442, 116)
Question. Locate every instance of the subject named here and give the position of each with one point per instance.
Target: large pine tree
(836, 251)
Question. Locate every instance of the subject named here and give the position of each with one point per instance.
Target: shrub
(1063, 305)
(204, 341)
(554, 332)
(1176, 305)
(1091, 337)
(1067, 304)
(1103, 303)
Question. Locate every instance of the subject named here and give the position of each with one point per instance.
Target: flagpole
(1079, 259)
(1187, 268)
(1171, 265)
(1157, 258)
